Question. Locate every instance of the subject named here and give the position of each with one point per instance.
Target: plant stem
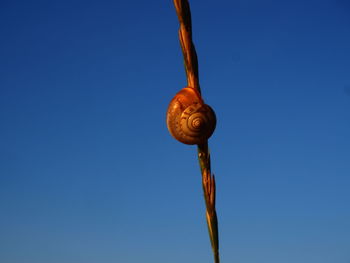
(191, 66)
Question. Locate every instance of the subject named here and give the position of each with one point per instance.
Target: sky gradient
(89, 172)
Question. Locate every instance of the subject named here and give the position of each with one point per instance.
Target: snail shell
(189, 120)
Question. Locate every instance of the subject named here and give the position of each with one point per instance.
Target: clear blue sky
(89, 173)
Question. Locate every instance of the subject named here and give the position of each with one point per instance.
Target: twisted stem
(191, 66)
(188, 50)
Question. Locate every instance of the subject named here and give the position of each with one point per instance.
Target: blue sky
(89, 173)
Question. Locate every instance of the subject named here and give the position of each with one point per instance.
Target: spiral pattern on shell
(189, 120)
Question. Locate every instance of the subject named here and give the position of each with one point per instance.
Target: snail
(189, 119)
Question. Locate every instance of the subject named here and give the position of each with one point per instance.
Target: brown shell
(189, 120)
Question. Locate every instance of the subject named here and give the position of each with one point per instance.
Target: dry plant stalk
(191, 65)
